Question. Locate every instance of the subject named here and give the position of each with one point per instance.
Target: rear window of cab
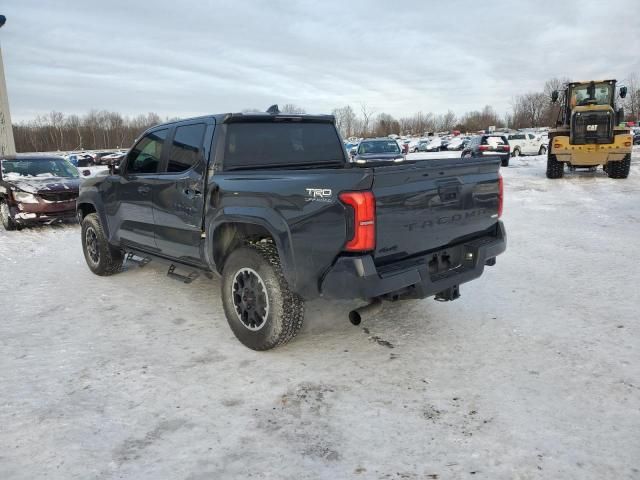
(255, 144)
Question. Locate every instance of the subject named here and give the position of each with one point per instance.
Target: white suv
(526, 143)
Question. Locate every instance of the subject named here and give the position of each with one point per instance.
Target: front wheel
(542, 150)
(102, 259)
(466, 155)
(262, 311)
(5, 215)
(516, 152)
(504, 162)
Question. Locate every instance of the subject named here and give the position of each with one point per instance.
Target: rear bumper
(591, 154)
(358, 277)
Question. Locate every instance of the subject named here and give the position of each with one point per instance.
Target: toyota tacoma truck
(272, 203)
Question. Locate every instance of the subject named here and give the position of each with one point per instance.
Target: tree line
(94, 131)
(101, 129)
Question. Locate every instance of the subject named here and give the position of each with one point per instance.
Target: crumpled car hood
(50, 185)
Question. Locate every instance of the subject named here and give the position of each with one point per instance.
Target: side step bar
(183, 278)
(140, 261)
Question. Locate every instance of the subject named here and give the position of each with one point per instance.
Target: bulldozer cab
(588, 94)
(592, 94)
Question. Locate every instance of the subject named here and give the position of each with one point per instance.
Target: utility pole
(7, 144)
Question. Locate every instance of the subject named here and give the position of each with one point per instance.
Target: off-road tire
(7, 222)
(516, 152)
(620, 168)
(542, 150)
(504, 162)
(555, 169)
(286, 309)
(109, 259)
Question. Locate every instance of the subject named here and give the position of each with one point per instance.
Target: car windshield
(46, 167)
(379, 146)
(583, 95)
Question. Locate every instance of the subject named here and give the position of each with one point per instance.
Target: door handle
(192, 192)
(142, 190)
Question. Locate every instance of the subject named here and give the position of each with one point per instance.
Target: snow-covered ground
(533, 373)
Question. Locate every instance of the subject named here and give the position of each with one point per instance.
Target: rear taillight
(482, 148)
(500, 195)
(505, 147)
(364, 218)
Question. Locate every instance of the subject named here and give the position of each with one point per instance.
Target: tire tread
(620, 168)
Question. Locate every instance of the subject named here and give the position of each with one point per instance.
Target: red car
(37, 189)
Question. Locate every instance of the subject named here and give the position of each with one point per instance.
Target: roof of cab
(254, 117)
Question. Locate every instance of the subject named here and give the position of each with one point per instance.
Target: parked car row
(86, 159)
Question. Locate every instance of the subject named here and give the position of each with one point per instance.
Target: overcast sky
(188, 57)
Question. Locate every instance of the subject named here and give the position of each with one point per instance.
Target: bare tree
(291, 108)
(631, 103)
(385, 125)
(367, 113)
(345, 120)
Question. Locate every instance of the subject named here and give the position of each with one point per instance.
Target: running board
(140, 261)
(183, 278)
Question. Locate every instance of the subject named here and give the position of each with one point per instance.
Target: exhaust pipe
(356, 316)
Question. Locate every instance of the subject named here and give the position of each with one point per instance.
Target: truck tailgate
(430, 204)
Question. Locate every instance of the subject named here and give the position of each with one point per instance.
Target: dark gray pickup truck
(272, 203)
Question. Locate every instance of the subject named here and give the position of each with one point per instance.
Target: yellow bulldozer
(589, 131)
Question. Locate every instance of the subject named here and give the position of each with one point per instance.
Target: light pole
(7, 144)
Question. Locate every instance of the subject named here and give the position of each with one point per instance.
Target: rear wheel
(542, 150)
(102, 259)
(466, 155)
(5, 215)
(620, 168)
(262, 311)
(555, 169)
(504, 162)
(516, 152)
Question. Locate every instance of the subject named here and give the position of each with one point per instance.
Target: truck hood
(49, 184)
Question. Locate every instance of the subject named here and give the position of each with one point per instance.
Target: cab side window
(186, 148)
(145, 155)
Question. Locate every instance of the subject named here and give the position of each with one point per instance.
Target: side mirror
(620, 116)
(623, 92)
(115, 167)
(554, 96)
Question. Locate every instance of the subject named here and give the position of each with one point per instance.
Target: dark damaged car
(37, 189)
